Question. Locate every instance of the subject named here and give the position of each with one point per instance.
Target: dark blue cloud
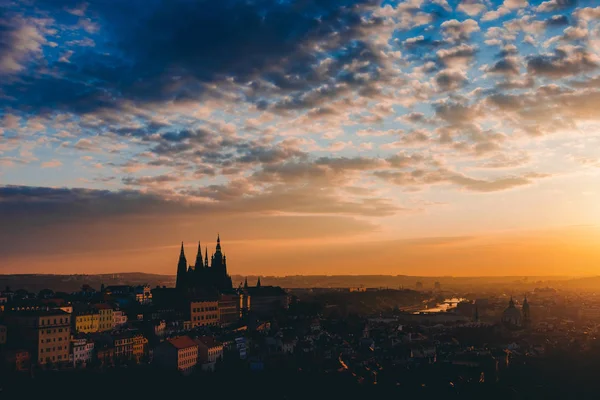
(154, 51)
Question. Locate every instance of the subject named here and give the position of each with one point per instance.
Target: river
(446, 305)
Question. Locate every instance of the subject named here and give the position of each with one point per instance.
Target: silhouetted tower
(246, 283)
(206, 257)
(199, 263)
(181, 270)
(258, 282)
(526, 312)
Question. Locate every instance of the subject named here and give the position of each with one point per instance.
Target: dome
(511, 317)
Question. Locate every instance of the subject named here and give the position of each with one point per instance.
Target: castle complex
(204, 276)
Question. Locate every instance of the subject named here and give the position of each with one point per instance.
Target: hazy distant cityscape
(456, 337)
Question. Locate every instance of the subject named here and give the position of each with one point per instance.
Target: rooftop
(40, 313)
(182, 342)
(208, 341)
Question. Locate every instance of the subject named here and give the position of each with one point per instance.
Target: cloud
(459, 31)
(51, 164)
(515, 4)
(557, 20)
(498, 13)
(564, 62)
(442, 176)
(450, 79)
(78, 10)
(268, 57)
(457, 57)
(587, 13)
(129, 220)
(554, 5)
(505, 66)
(471, 7)
(149, 180)
(21, 41)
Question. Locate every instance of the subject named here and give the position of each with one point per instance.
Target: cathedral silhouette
(202, 277)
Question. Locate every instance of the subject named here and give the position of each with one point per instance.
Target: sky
(420, 137)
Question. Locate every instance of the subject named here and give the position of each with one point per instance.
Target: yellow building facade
(140, 344)
(46, 334)
(86, 321)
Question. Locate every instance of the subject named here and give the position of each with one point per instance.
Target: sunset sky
(426, 137)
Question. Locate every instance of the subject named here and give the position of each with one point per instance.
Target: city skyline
(420, 137)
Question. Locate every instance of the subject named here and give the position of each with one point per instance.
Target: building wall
(123, 347)
(119, 319)
(83, 352)
(187, 359)
(45, 334)
(143, 295)
(169, 357)
(140, 346)
(106, 355)
(106, 319)
(88, 322)
(19, 360)
(54, 337)
(229, 309)
(204, 313)
(209, 354)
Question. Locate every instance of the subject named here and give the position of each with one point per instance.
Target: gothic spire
(199, 263)
(206, 257)
(218, 244)
(182, 269)
(246, 283)
(258, 282)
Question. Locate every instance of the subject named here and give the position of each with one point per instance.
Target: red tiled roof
(208, 341)
(182, 342)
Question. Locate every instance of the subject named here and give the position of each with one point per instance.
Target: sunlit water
(446, 305)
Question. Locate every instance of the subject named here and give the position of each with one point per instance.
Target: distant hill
(70, 283)
(404, 281)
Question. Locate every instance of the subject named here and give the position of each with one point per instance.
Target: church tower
(199, 263)
(526, 312)
(206, 274)
(181, 270)
(219, 268)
